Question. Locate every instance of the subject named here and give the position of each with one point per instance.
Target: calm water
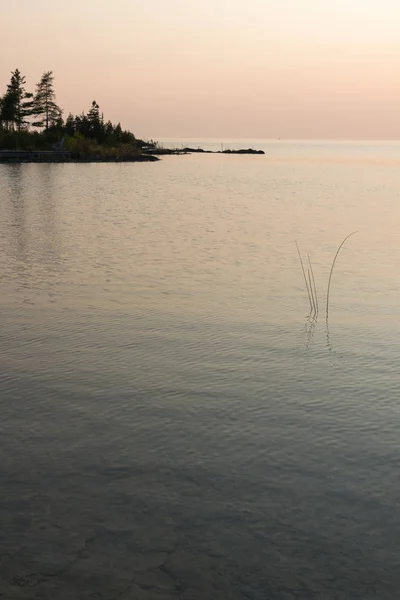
(172, 424)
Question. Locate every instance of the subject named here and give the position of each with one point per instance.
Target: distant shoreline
(151, 155)
(188, 150)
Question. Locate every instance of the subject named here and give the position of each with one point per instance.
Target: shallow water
(173, 425)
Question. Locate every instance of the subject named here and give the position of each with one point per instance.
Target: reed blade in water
(312, 293)
(330, 274)
(314, 286)
(304, 275)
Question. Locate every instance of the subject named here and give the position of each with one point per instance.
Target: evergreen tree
(45, 109)
(94, 113)
(93, 118)
(70, 125)
(82, 125)
(96, 123)
(17, 103)
(118, 132)
(109, 128)
(7, 115)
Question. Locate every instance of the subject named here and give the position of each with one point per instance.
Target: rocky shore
(11, 156)
(240, 151)
(188, 150)
(150, 155)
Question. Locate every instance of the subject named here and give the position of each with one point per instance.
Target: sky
(297, 69)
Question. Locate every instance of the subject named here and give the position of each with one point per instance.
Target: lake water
(173, 424)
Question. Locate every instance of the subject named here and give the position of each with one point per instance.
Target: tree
(93, 118)
(45, 109)
(82, 125)
(70, 125)
(16, 103)
(97, 128)
(109, 128)
(7, 114)
(118, 132)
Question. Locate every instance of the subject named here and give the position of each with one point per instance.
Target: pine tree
(96, 122)
(17, 103)
(82, 125)
(118, 132)
(7, 114)
(70, 127)
(109, 128)
(45, 108)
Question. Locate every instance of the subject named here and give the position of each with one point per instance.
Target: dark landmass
(202, 151)
(177, 151)
(242, 151)
(191, 150)
(68, 157)
(158, 151)
(105, 159)
(111, 155)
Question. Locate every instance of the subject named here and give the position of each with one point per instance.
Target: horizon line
(274, 139)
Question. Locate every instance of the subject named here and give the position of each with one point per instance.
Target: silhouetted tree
(118, 132)
(69, 126)
(109, 128)
(7, 112)
(16, 103)
(45, 108)
(82, 125)
(96, 122)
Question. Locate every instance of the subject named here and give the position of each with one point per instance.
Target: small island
(240, 151)
(32, 129)
(159, 150)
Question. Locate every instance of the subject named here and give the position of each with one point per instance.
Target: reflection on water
(173, 426)
(17, 211)
(31, 210)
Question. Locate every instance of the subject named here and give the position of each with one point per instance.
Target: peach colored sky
(216, 68)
